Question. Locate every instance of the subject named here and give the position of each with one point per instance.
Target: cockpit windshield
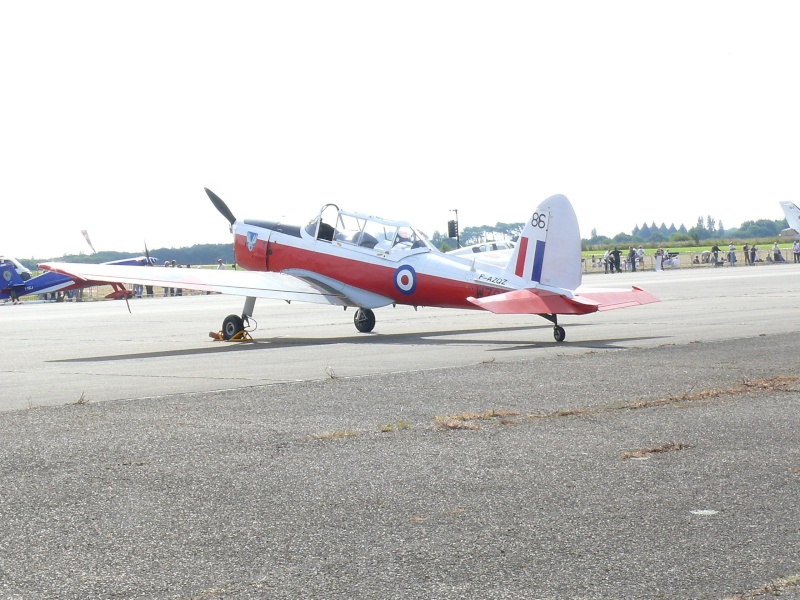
(378, 234)
(366, 231)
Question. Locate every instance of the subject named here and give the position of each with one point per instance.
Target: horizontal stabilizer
(532, 302)
(538, 302)
(611, 299)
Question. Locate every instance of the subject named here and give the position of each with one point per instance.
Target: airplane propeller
(221, 206)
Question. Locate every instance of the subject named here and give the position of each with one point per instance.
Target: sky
(115, 115)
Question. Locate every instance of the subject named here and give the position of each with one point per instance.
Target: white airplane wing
(239, 283)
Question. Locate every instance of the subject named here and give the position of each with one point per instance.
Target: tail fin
(9, 277)
(549, 250)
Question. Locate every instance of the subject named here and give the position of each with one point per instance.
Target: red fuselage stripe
(430, 290)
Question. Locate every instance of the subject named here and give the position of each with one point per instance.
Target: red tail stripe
(523, 251)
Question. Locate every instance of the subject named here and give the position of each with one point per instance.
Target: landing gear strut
(364, 320)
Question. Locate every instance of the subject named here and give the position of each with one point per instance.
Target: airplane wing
(257, 284)
(541, 302)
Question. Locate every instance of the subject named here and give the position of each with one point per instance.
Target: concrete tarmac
(451, 454)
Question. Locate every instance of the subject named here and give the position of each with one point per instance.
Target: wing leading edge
(256, 284)
(541, 302)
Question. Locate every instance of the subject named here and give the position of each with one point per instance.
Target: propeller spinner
(221, 206)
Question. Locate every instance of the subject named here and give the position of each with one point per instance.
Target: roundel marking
(7, 275)
(405, 280)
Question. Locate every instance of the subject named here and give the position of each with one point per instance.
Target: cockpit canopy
(365, 231)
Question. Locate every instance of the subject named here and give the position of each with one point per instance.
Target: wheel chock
(242, 336)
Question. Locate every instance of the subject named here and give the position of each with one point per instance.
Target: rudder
(549, 249)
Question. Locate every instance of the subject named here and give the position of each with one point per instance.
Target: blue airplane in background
(17, 281)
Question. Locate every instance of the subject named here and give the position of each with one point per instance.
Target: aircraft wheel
(364, 320)
(559, 334)
(232, 325)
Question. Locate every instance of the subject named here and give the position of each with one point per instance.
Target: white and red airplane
(352, 259)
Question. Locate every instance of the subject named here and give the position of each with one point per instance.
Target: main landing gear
(364, 320)
(233, 327)
(558, 332)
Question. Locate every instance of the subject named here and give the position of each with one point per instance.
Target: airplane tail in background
(9, 279)
(549, 249)
(792, 213)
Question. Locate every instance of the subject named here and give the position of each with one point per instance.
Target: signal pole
(452, 228)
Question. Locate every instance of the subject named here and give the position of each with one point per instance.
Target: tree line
(706, 228)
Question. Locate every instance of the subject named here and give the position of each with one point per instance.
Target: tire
(364, 320)
(232, 325)
(559, 334)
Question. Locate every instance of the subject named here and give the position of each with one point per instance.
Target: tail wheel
(364, 320)
(559, 334)
(232, 325)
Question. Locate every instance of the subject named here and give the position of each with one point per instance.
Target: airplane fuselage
(403, 275)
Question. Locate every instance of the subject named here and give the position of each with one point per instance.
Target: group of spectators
(611, 261)
(750, 254)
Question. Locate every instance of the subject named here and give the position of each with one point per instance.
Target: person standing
(640, 256)
(606, 260)
(796, 251)
(731, 255)
(166, 289)
(176, 291)
(715, 254)
(776, 252)
(753, 251)
(632, 258)
(746, 250)
(615, 259)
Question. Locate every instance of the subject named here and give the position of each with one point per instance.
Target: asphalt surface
(653, 455)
